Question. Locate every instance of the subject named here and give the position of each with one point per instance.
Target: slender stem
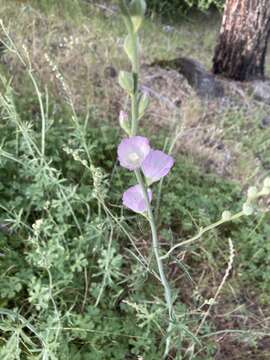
(135, 60)
(134, 96)
(134, 129)
(43, 117)
(201, 232)
(134, 114)
(160, 188)
(53, 302)
(164, 281)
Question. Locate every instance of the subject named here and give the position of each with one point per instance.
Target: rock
(261, 91)
(204, 83)
(220, 146)
(265, 122)
(110, 72)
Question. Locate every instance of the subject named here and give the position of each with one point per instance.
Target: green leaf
(126, 81)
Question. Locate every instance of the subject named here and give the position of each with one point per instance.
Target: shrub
(168, 7)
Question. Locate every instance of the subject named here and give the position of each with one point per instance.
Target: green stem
(42, 112)
(134, 128)
(135, 60)
(201, 232)
(134, 114)
(134, 96)
(164, 281)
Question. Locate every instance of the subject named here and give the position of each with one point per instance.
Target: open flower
(156, 165)
(133, 199)
(132, 152)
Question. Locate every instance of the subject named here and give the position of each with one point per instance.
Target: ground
(76, 55)
(89, 58)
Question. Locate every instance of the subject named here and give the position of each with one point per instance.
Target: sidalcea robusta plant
(151, 165)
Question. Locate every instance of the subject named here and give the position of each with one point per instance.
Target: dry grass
(83, 55)
(82, 58)
(55, 45)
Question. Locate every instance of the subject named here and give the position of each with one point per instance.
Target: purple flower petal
(132, 151)
(133, 199)
(156, 165)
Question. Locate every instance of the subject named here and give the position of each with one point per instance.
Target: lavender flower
(133, 199)
(132, 152)
(156, 165)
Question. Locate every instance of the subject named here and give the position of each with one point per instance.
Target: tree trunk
(241, 49)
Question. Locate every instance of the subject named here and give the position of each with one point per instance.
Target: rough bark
(241, 49)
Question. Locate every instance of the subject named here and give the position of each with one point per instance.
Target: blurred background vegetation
(170, 7)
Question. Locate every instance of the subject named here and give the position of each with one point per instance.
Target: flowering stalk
(135, 154)
(203, 231)
(133, 17)
(149, 165)
(248, 208)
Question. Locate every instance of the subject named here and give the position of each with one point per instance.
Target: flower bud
(137, 10)
(247, 209)
(126, 81)
(124, 121)
(266, 186)
(252, 193)
(143, 104)
(226, 215)
(266, 182)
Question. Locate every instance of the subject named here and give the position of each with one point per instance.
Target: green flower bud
(137, 10)
(247, 209)
(226, 215)
(143, 104)
(252, 193)
(124, 121)
(266, 186)
(126, 81)
(266, 182)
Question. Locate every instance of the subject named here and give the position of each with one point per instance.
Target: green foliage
(72, 287)
(254, 252)
(62, 249)
(168, 7)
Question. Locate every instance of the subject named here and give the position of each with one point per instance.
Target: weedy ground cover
(74, 264)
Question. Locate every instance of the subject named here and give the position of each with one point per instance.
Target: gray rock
(168, 28)
(261, 91)
(265, 122)
(200, 79)
(110, 72)
(203, 82)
